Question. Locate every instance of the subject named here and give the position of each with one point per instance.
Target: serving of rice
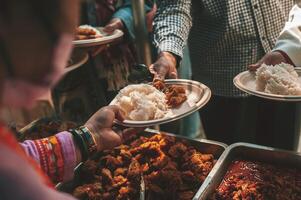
(142, 102)
(281, 79)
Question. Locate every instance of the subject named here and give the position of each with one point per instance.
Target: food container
(204, 146)
(249, 152)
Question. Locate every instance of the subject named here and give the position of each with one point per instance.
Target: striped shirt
(227, 36)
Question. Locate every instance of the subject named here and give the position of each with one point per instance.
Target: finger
(254, 67)
(109, 28)
(173, 75)
(118, 112)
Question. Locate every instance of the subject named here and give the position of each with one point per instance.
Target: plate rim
(77, 65)
(206, 92)
(98, 41)
(237, 82)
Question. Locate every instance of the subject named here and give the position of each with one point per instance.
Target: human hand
(164, 67)
(113, 25)
(101, 123)
(271, 58)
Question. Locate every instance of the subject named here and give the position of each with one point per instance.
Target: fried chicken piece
(106, 176)
(188, 176)
(134, 172)
(186, 195)
(88, 191)
(159, 84)
(85, 31)
(119, 181)
(88, 170)
(155, 188)
(138, 141)
(128, 192)
(149, 148)
(175, 95)
(109, 195)
(112, 162)
(177, 150)
(200, 164)
(126, 154)
(160, 161)
(120, 171)
(145, 168)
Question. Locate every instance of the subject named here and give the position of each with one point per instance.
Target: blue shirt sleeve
(125, 14)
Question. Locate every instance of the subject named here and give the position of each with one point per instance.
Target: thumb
(173, 75)
(253, 67)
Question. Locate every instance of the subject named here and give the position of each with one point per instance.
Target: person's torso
(227, 36)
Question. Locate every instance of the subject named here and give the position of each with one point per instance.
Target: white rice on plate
(281, 79)
(142, 102)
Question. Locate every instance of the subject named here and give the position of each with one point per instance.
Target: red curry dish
(248, 180)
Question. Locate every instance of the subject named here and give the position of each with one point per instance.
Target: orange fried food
(159, 84)
(175, 94)
(86, 33)
(88, 191)
(171, 169)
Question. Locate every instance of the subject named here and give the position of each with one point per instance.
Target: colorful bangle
(80, 143)
(89, 139)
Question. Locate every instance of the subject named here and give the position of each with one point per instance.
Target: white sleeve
(289, 40)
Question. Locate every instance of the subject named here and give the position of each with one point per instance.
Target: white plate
(246, 82)
(77, 60)
(197, 93)
(105, 39)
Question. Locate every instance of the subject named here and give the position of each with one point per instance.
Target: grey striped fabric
(226, 36)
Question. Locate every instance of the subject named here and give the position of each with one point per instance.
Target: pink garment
(18, 181)
(68, 151)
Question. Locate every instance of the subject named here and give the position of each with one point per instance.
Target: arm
(289, 40)
(171, 28)
(58, 155)
(123, 18)
(124, 13)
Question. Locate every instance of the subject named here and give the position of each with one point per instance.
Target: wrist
(85, 143)
(286, 57)
(94, 132)
(170, 56)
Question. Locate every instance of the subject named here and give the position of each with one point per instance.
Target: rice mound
(280, 79)
(142, 102)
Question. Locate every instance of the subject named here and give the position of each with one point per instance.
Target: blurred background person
(34, 49)
(94, 85)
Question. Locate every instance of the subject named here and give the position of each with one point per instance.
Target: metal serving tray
(204, 146)
(249, 152)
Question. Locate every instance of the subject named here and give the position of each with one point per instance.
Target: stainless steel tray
(250, 152)
(204, 146)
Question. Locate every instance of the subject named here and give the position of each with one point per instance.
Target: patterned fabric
(114, 63)
(229, 35)
(7, 139)
(56, 155)
(171, 25)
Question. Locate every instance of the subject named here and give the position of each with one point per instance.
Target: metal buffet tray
(204, 146)
(249, 152)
